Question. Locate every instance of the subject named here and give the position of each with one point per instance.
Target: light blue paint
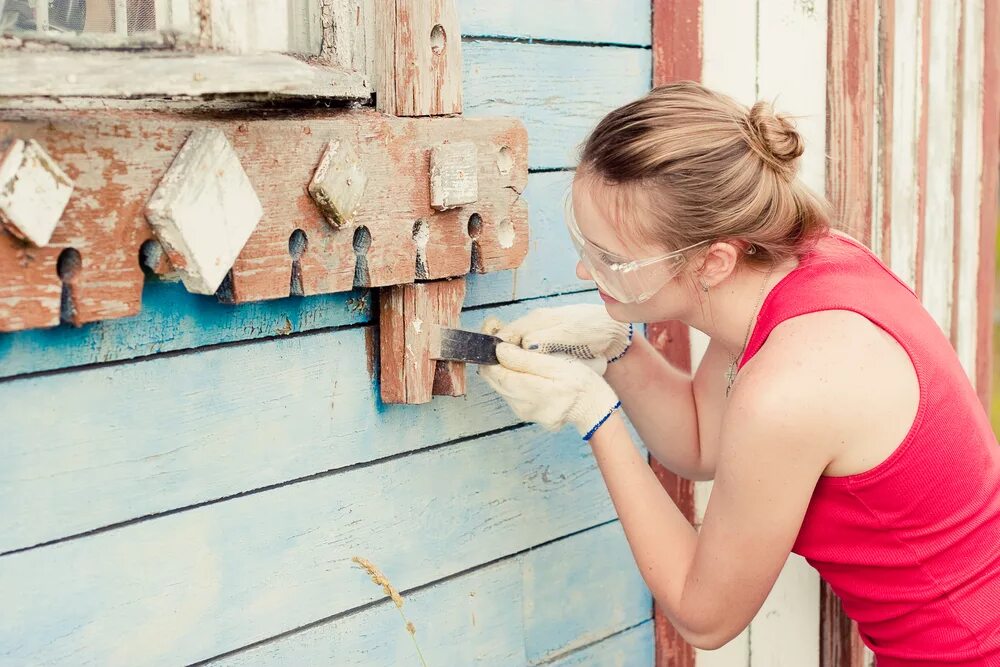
(632, 648)
(618, 22)
(103, 445)
(488, 617)
(198, 583)
(560, 92)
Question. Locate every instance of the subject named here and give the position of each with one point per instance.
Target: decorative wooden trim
(850, 95)
(677, 56)
(117, 160)
(988, 210)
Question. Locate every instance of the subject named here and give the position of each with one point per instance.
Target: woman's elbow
(707, 641)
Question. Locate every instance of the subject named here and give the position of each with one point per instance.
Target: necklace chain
(734, 359)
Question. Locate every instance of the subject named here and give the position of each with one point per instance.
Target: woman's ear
(717, 264)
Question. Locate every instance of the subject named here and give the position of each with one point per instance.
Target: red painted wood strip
(886, 45)
(925, 53)
(956, 170)
(677, 55)
(988, 211)
(850, 95)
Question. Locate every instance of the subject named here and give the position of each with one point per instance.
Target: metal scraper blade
(458, 345)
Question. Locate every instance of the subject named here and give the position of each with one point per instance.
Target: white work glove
(551, 391)
(583, 331)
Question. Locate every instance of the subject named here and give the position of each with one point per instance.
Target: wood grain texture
(840, 644)
(117, 160)
(494, 615)
(172, 319)
(34, 192)
(571, 88)
(109, 74)
(988, 208)
(202, 582)
(408, 374)
(677, 55)
(885, 124)
(105, 445)
(593, 21)
(850, 95)
(631, 648)
(419, 58)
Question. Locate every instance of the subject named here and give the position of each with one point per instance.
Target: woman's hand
(583, 331)
(551, 391)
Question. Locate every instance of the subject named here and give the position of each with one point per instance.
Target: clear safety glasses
(623, 279)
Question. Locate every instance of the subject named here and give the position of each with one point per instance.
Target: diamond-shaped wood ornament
(338, 184)
(34, 192)
(454, 179)
(204, 210)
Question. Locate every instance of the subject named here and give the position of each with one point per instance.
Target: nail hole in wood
(505, 233)
(421, 236)
(505, 161)
(362, 241)
(438, 39)
(297, 244)
(226, 293)
(68, 267)
(475, 229)
(150, 256)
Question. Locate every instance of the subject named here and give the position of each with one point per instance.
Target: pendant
(730, 378)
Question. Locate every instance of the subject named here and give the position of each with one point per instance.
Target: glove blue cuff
(591, 432)
(631, 332)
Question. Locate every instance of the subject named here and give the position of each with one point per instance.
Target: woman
(829, 408)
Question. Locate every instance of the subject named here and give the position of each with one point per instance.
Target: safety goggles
(623, 279)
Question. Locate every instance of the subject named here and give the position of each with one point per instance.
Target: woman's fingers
(532, 363)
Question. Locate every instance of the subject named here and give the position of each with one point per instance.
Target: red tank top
(912, 546)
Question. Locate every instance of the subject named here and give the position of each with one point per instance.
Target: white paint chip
(505, 233)
(338, 184)
(34, 192)
(454, 175)
(204, 210)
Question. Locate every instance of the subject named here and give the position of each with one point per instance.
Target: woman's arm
(712, 583)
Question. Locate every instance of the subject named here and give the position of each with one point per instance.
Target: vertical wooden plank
(786, 629)
(677, 55)
(908, 94)
(850, 99)
(939, 222)
(968, 183)
(988, 209)
(882, 211)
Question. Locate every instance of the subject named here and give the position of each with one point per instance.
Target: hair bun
(774, 138)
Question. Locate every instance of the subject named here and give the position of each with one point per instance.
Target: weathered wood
(338, 185)
(408, 374)
(34, 192)
(454, 171)
(118, 159)
(592, 21)
(111, 430)
(939, 222)
(204, 210)
(345, 36)
(495, 615)
(161, 74)
(885, 124)
(922, 144)
(202, 582)
(850, 99)
(840, 644)
(571, 88)
(418, 58)
(631, 648)
(988, 208)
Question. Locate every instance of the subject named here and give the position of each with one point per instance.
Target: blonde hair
(689, 165)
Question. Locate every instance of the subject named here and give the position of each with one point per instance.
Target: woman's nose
(582, 273)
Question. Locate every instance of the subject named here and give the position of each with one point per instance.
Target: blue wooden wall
(191, 485)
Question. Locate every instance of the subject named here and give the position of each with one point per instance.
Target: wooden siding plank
(786, 629)
(623, 22)
(939, 222)
(969, 190)
(199, 583)
(907, 94)
(171, 319)
(729, 48)
(490, 616)
(632, 648)
(570, 89)
(105, 445)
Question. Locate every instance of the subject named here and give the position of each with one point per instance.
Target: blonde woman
(829, 408)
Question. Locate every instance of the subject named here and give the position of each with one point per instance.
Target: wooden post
(676, 56)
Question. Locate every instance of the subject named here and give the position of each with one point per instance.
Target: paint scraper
(458, 345)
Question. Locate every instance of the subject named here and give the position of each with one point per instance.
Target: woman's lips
(606, 298)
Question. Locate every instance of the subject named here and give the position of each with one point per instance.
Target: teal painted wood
(491, 616)
(632, 648)
(172, 319)
(559, 91)
(106, 444)
(620, 22)
(195, 584)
